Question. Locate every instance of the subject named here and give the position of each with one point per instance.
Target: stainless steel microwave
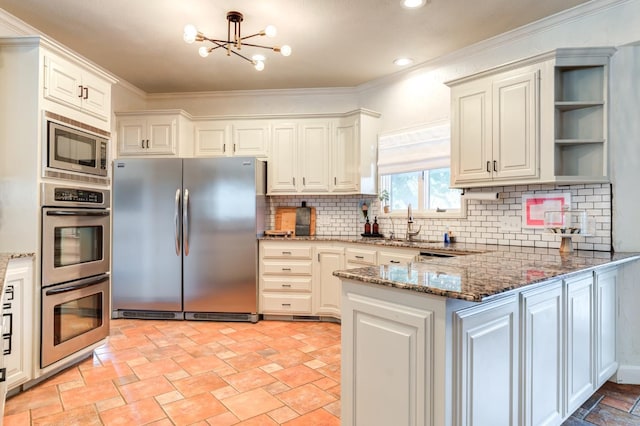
(76, 151)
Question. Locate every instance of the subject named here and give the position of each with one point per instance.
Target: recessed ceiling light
(401, 62)
(413, 4)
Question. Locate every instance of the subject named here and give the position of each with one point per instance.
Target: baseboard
(629, 374)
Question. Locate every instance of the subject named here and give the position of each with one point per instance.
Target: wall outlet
(510, 223)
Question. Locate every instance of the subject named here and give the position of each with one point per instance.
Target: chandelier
(232, 45)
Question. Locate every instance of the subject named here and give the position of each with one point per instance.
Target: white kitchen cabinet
(300, 154)
(390, 346)
(152, 133)
(495, 127)
(324, 155)
(17, 322)
(542, 357)
(328, 287)
(486, 364)
(72, 85)
(250, 138)
(606, 303)
(580, 339)
(286, 273)
(212, 139)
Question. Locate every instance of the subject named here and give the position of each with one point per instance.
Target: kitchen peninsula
(510, 336)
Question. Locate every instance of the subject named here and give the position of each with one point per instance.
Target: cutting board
(286, 219)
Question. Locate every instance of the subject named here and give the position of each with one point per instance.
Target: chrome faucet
(410, 231)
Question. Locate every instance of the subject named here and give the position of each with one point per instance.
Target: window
(426, 190)
(414, 168)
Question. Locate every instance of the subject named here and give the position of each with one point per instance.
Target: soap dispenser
(375, 225)
(367, 227)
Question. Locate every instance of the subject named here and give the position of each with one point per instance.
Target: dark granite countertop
(484, 276)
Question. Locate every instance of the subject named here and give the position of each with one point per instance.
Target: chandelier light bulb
(203, 51)
(259, 65)
(190, 33)
(285, 50)
(257, 58)
(270, 31)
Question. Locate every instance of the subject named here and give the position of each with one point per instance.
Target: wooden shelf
(578, 141)
(572, 105)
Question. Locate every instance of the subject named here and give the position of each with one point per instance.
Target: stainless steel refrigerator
(185, 237)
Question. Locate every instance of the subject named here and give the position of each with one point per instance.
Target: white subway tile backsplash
(341, 215)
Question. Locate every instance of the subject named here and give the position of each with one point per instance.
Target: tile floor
(195, 373)
(212, 373)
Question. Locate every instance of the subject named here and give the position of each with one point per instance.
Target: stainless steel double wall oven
(75, 269)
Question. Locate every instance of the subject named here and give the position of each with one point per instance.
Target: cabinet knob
(394, 261)
(286, 285)
(286, 269)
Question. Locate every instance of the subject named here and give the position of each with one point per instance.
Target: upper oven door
(76, 151)
(75, 244)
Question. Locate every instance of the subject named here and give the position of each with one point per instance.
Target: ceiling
(336, 43)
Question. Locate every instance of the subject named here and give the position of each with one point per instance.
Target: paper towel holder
(480, 195)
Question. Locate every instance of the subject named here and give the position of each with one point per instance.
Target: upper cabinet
(226, 138)
(72, 85)
(542, 119)
(152, 132)
(328, 155)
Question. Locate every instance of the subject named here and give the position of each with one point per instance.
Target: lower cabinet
(606, 303)
(579, 374)
(17, 324)
(388, 352)
(542, 355)
(328, 294)
(485, 343)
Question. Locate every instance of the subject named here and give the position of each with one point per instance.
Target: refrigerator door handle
(176, 219)
(185, 221)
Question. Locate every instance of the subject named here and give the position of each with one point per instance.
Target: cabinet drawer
(286, 283)
(289, 251)
(364, 257)
(385, 258)
(291, 303)
(287, 268)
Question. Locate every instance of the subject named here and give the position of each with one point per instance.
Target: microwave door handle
(78, 285)
(185, 221)
(77, 213)
(176, 218)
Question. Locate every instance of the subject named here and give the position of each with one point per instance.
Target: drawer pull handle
(495, 166)
(359, 257)
(286, 285)
(489, 166)
(287, 253)
(286, 305)
(394, 261)
(286, 269)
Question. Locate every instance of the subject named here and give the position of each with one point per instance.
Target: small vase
(386, 209)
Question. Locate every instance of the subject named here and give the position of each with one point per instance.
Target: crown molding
(253, 93)
(540, 26)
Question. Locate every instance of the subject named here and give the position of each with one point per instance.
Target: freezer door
(220, 244)
(147, 259)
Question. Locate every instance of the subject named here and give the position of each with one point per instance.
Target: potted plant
(384, 200)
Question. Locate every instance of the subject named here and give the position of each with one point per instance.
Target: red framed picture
(535, 205)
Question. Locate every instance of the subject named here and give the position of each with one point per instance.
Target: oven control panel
(54, 195)
(78, 195)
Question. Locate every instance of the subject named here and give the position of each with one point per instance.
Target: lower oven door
(74, 315)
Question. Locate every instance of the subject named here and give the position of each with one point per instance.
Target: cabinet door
(345, 158)
(251, 138)
(17, 322)
(388, 362)
(515, 126)
(161, 133)
(606, 304)
(580, 343)
(283, 163)
(486, 385)
(471, 148)
(328, 294)
(63, 81)
(96, 98)
(542, 355)
(132, 136)
(212, 139)
(314, 157)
